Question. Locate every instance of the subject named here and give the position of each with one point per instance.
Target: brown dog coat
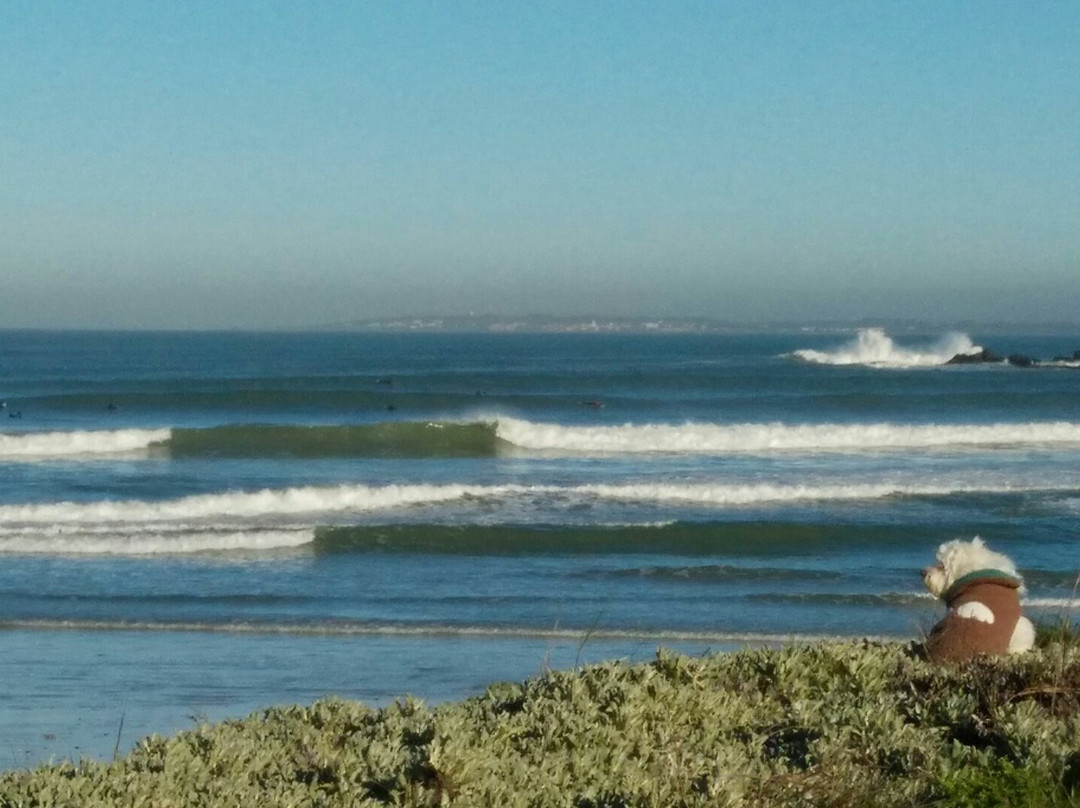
(958, 637)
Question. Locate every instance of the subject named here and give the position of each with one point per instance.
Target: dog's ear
(950, 559)
(942, 551)
(985, 557)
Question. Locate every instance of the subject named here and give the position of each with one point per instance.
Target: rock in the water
(1022, 361)
(985, 355)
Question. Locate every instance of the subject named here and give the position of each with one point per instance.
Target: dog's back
(983, 617)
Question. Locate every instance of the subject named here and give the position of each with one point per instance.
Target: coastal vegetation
(854, 723)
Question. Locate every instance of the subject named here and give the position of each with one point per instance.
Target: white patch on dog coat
(975, 611)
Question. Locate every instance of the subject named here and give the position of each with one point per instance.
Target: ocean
(195, 526)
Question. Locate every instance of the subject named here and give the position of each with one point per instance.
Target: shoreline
(865, 722)
(68, 689)
(735, 638)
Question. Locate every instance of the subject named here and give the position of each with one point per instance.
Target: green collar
(996, 576)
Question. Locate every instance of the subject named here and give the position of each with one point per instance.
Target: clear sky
(217, 164)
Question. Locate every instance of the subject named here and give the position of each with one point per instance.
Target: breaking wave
(287, 502)
(872, 346)
(388, 439)
(695, 438)
(143, 542)
(75, 444)
(1059, 604)
(510, 435)
(325, 518)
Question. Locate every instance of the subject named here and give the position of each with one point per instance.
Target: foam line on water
(752, 494)
(1062, 604)
(429, 630)
(305, 500)
(311, 501)
(151, 543)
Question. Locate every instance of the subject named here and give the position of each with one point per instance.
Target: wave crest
(287, 502)
(489, 439)
(269, 519)
(696, 438)
(178, 541)
(81, 443)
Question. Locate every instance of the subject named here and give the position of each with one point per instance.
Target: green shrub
(1063, 631)
(1002, 785)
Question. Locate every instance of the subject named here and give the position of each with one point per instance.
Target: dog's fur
(984, 612)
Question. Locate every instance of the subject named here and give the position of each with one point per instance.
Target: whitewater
(873, 347)
(193, 524)
(686, 438)
(78, 443)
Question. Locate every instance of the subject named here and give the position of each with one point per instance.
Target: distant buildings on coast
(673, 325)
(497, 325)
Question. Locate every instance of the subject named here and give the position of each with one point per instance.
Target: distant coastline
(496, 324)
(600, 324)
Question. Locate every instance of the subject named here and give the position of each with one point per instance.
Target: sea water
(194, 526)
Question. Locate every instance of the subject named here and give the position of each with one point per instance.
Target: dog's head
(957, 558)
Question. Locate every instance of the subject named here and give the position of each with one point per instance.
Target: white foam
(741, 495)
(144, 543)
(687, 438)
(872, 346)
(263, 520)
(1061, 604)
(44, 445)
(286, 506)
(698, 438)
(348, 628)
(306, 501)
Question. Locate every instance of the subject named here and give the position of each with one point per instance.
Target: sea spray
(872, 346)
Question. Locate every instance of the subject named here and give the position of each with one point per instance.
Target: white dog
(982, 590)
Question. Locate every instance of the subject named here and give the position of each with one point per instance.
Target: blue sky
(219, 164)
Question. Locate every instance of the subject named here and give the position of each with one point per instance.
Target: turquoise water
(201, 525)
